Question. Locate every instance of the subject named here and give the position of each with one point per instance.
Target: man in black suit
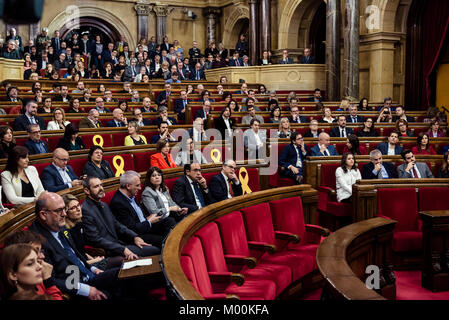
(197, 132)
(182, 71)
(162, 97)
(235, 61)
(225, 124)
(12, 94)
(61, 253)
(30, 117)
(34, 144)
(341, 131)
(165, 45)
(163, 116)
(138, 117)
(225, 185)
(295, 117)
(353, 117)
(135, 217)
(64, 94)
(285, 58)
(33, 69)
(191, 191)
(204, 112)
(292, 158)
(181, 104)
(130, 71)
(316, 96)
(400, 114)
(102, 230)
(377, 169)
(194, 53)
(118, 119)
(56, 42)
(198, 73)
(307, 58)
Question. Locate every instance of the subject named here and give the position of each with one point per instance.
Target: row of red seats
(272, 236)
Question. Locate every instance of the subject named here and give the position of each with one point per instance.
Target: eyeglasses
(63, 159)
(58, 211)
(34, 132)
(77, 206)
(232, 167)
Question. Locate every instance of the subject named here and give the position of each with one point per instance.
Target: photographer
(385, 115)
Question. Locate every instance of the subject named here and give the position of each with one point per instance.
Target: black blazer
(67, 145)
(161, 97)
(367, 171)
(183, 195)
(358, 119)
(101, 228)
(221, 126)
(21, 123)
(105, 172)
(309, 134)
(126, 215)
(219, 190)
(301, 118)
(335, 132)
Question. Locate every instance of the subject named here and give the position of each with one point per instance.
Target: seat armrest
(312, 228)
(287, 236)
(262, 246)
(94, 252)
(250, 262)
(227, 277)
(218, 296)
(232, 297)
(382, 216)
(327, 190)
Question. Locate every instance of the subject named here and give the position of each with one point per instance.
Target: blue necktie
(198, 193)
(73, 258)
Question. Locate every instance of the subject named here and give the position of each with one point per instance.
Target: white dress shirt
(344, 182)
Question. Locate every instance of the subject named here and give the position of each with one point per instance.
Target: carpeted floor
(408, 287)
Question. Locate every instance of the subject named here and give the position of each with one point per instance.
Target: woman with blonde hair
(59, 122)
(134, 138)
(284, 128)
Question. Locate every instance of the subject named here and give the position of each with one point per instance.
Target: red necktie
(237, 63)
(231, 192)
(415, 173)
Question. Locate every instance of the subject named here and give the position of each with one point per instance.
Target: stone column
(333, 35)
(253, 32)
(142, 10)
(34, 32)
(265, 26)
(211, 15)
(161, 23)
(351, 51)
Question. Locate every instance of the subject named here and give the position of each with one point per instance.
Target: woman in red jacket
(422, 145)
(162, 159)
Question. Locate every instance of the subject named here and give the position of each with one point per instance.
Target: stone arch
(92, 11)
(237, 16)
(295, 21)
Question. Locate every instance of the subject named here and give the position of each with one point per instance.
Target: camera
(191, 14)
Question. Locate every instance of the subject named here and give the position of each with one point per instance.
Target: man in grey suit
(285, 58)
(412, 169)
(102, 229)
(253, 140)
(251, 115)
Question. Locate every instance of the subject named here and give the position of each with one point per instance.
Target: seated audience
(163, 134)
(344, 105)
(91, 121)
(367, 129)
(342, 130)
(146, 105)
(253, 140)
(313, 130)
(204, 112)
(353, 146)
(59, 176)
(22, 122)
(225, 185)
(118, 119)
(7, 141)
(58, 122)
(391, 147)
(46, 107)
(96, 166)
(20, 181)
(295, 117)
(189, 154)
(74, 106)
(377, 169)
(71, 139)
(400, 114)
(181, 104)
(275, 115)
(443, 172)
(197, 132)
(327, 116)
(162, 159)
(423, 145)
(353, 117)
(323, 148)
(225, 124)
(134, 138)
(34, 143)
(163, 116)
(162, 97)
(138, 117)
(402, 128)
(151, 225)
(252, 115)
(434, 130)
(190, 191)
(363, 105)
(384, 115)
(284, 129)
(346, 175)
(411, 168)
(292, 158)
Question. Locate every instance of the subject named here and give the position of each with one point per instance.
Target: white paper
(137, 263)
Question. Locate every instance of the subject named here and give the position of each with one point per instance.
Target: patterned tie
(73, 257)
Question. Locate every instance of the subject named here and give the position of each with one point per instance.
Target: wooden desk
(435, 272)
(155, 267)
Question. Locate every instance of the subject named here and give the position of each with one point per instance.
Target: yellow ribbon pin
(119, 167)
(66, 233)
(215, 155)
(244, 181)
(98, 140)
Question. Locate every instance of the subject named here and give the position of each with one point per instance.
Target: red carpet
(408, 287)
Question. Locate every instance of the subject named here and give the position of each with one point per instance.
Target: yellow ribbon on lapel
(244, 181)
(98, 140)
(215, 155)
(119, 167)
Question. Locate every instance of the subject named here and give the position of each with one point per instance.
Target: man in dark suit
(162, 97)
(316, 96)
(163, 133)
(391, 147)
(353, 117)
(225, 185)
(34, 144)
(295, 117)
(197, 132)
(194, 53)
(182, 71)
(102, 230)
(313, 132)
(181, 104)
(130, 71)
(56, 42)
(292, 158)
(285, 58)
(138, 117)
(165, 45)
(22, 122)
(191, 191)
(225, 124)
(198, 73)
(12, 95)
(63, 95)
(307, 58)
(118, 119)
(59, 176)
(61, 253)
(323, 148)
(341, 131)
(400, 114)
(377, 169)
(135, 217)
(235, 61)
(204, 112)
(163, 116)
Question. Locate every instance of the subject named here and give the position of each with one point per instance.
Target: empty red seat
(433, 198)
(77, 165)
(142, 160)
(89, 140)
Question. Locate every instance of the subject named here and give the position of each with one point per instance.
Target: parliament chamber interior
(224, 150)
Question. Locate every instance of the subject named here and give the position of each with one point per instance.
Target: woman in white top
(346, 175)
(189, 155)
(58, 122)
(21, 183)
(327, 117)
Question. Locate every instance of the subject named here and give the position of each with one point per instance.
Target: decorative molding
(162, 11)
(143, 9)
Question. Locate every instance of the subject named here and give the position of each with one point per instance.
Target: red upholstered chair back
(194, 250)
(328, 175)
(233, 234)
(142, 160)
(288, 216)
(169, 183)
(77, 165)
(252, 180)
(258, 223)
(53, 142)
(89, 142)
(108, 196)
(212, 248)
(118, 139)
(399, 204)
(433, 198)
(187, 267)
(128, 163)
(225, 153)
(40, 167)
(209, 175)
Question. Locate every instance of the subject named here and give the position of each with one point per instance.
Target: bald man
(323, 148)
(59, 176)
(118, 120)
